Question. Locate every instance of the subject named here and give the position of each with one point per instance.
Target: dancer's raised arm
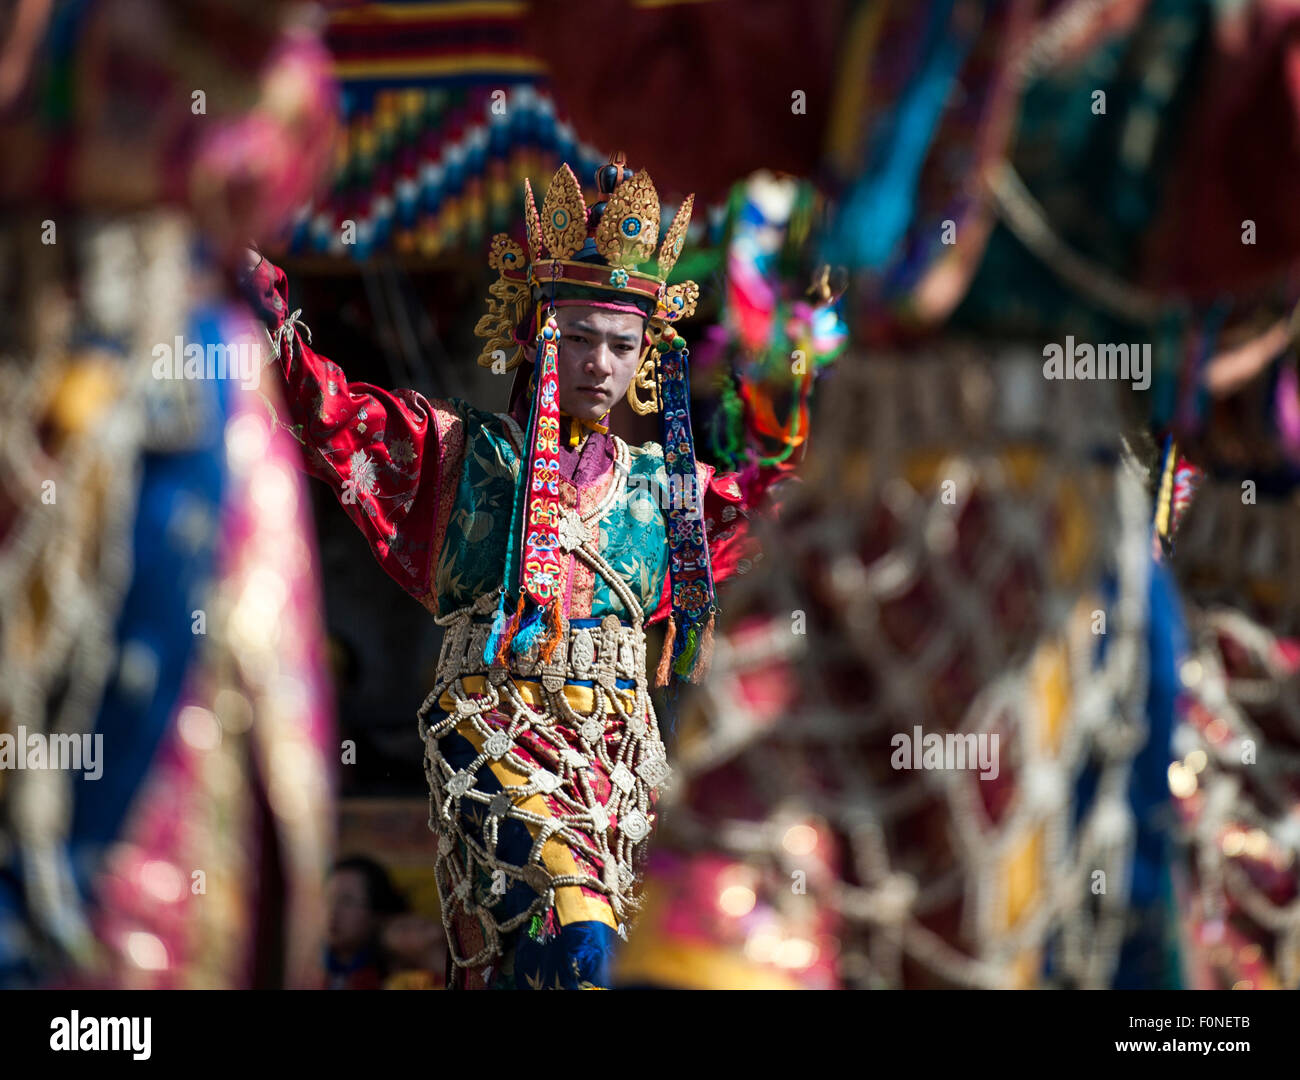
(382, 451)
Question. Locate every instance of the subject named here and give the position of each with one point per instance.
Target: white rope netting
(941, 567)
(555, 747)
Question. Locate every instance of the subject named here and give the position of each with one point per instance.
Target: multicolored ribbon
(690, 626)
(535, 522)
(541, 577)
(1179, 479)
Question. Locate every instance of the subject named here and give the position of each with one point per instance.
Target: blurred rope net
(967, 554)
(1236, 768)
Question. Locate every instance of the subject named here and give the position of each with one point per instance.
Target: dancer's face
(599, 353)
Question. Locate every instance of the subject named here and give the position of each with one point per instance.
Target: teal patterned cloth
(632, 534)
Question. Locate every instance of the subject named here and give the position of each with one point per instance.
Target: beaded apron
(569, 747)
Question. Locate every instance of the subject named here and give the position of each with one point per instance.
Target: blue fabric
(168, 582)
(514, 842)
(1148, 958)
(689, 568)
(577, 956)
(878, 209)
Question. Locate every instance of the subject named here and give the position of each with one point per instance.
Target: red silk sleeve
(383, 452)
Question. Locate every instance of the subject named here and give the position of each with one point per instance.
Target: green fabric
(473, 557)
(633, 538)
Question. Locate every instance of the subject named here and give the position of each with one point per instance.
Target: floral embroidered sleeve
(382, 452)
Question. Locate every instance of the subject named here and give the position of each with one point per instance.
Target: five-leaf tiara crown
(574, 249)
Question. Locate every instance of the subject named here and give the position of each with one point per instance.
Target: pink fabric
(631, 309)
(1240, 161)
(531, 334)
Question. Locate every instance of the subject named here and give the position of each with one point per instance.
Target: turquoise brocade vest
(632, 535)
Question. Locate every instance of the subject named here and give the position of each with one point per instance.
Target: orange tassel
(511, 627)
(556, 624)
(666, 657)
(704, 657)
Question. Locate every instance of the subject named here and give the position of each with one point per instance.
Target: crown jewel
(582, 251)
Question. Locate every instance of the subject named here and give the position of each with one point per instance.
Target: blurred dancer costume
(1106, 218)
(157, 581)
(1237, 744)
(799, 853)
(540, 544)
(1235, 769)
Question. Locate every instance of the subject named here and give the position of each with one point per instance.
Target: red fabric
(105, 118)
(703, 90)
(1241, 162)
(393, 500)
(398, 503)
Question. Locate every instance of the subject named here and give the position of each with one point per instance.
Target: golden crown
(622, 233)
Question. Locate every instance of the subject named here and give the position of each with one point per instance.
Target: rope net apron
(543, 777)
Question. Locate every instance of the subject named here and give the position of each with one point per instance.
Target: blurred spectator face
(414, 942)
(352, 921)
